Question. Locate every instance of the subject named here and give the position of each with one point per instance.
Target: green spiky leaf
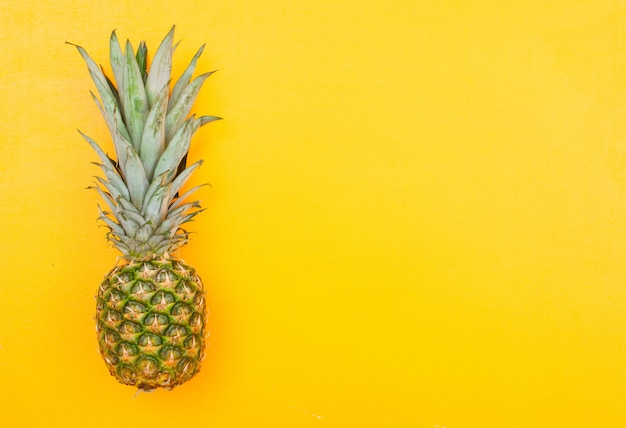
(134, 100)
(177, 148)
(116, 57)
(142, 60)
(185, 78)
(151, 132)
(153, 138)
(181, 109)
(160, 69)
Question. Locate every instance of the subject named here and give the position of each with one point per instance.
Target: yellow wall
(417, 219)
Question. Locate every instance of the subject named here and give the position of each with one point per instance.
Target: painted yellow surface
(417, 215)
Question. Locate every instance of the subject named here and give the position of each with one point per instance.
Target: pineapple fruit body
(151, 322)
(151, 309)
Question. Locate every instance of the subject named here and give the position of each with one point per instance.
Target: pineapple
(151, 310)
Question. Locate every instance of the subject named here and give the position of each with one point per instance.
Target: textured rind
(151, 322)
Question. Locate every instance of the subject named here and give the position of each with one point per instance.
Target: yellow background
(417, 215)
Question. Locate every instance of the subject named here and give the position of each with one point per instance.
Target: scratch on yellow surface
(306, 412)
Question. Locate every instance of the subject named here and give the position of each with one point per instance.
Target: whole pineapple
(151, 308)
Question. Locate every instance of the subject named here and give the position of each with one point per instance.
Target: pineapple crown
(151, 131)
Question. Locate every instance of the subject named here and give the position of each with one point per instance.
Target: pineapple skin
(151, 322)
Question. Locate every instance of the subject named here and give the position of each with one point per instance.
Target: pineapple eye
(122, 278)
(130, 327)
(196, 323)
(147, 366)
(149, 339)
(185, 289)
(165, 377)
(111, 357)
(178, 267)
(126, 373)
(176, 332)
(141, 288)
(186, 367)
(192, 341)
(103, 288)
(134, 309)
(113, 296)
(181, 310)
(125, 349)
(112, 317)
(165, 277)
(170, 353)
(162, 299)
(109, 337)
(198, 300)
(156, 321)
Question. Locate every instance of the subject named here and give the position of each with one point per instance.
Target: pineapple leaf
(179, 239)
(108, 99)
(128, 210)
(189, 217)
(135, 176)
(144, 232)
(199, 122)
(132, 169)
(182, 209)
(115, 180)
(106, 197)
(121, 144)
(112, 117)
(108, 167)
(184, 79)
(134, 100)
(116, 58)
(125, 205)
(153, 138)
(103, 156)
(168, 224)
(182, 178)
(176, 149)
(116, 228)
(157, 206)
(196, 124)
(160, 69)
(181, 109)
(113, 89)
(203, 120)
(107, 223)
(142, 60)
(124, 249)
(130, 226)
(155, 240)
(113, 191)
(172, 223)
(157, 182)
(172, 244)
(179, 200)
(94, 70)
